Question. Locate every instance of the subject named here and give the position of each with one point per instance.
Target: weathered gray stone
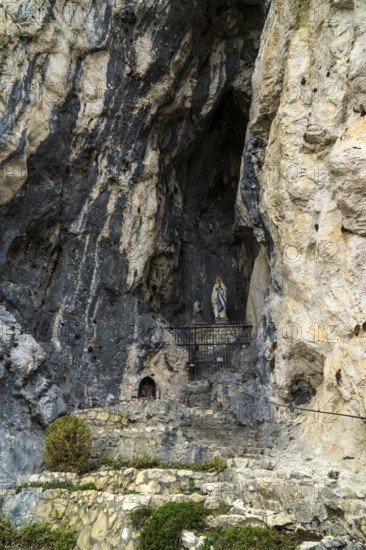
(333, 542)
(122, 125)
(125, 130)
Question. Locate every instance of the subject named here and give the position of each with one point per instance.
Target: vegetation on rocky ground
(145, 462)
(67, 445)
(36, 536)
(142, 462)
(247, 537)
(163, 529)
(66, 485)
(221, 510)
(139, 516)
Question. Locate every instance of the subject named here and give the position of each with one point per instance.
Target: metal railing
(211, 346)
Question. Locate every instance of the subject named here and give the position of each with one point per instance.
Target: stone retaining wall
(255, 491)
(154, 427)
(101, 516)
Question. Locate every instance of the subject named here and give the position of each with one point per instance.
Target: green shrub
(67, 444)
(221, 510)
(36, 536)
(247, 537)
(211, 540)
(163, 530)
(139, 516)
(5, 532)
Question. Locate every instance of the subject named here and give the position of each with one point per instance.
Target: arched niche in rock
(147, 388)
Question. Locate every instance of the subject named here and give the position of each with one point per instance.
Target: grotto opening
(210, 237)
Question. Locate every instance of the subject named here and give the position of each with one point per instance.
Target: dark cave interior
(211, 243)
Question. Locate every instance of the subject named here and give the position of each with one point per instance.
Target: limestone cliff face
(305, 159)
(122, 147)
(122, 128)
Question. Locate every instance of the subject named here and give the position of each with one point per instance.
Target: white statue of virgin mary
(218, 299)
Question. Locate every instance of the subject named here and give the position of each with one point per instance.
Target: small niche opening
(147, 388)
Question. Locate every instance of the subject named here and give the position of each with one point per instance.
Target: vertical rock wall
(103, 107)
(122, 128)
(303, 182)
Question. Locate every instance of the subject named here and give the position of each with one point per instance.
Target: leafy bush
(247, 537)
(163, 529)
(139, 516)
(67, 444)
(36, 536)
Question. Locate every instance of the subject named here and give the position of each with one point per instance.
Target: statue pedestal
(221, 321)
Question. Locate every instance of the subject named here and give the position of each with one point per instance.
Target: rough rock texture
(22, 357)
(304, 160)
(122, 135)
(175, 432)
(122, 130)
(297, 499)
(102, 516)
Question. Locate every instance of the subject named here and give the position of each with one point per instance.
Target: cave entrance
(147, 388)
(210, 243)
